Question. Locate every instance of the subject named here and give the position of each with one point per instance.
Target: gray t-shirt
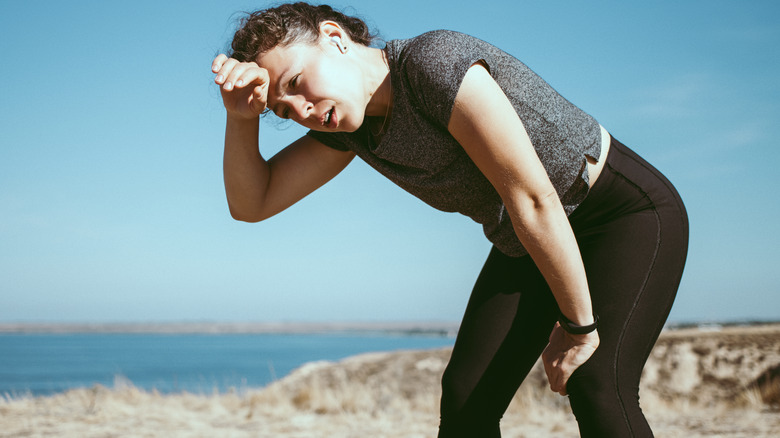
(418, 153)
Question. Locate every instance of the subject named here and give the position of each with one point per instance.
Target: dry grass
(697, 384)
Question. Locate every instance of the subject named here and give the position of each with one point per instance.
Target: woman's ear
(330, 29)
(334, 34)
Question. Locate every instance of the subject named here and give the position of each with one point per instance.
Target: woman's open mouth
(330, 117)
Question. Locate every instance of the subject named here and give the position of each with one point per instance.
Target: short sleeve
(435, 64)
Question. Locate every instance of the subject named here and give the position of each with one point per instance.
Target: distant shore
(405, 328)
(408, 328)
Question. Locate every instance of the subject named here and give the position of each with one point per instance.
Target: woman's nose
(301, 107)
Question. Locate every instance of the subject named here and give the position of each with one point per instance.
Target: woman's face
(316, 85)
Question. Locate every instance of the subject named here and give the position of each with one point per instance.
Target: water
(48, 363)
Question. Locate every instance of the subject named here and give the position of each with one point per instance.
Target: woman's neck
(378, 87)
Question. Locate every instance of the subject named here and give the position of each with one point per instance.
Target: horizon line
(423, 328)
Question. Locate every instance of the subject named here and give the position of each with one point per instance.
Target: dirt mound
(734, 365)
(714, 366)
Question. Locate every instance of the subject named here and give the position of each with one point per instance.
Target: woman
(581, 226)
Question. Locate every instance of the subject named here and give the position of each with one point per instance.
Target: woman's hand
(564, 354)
(244, 86)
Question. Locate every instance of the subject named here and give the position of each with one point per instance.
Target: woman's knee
(469, 409)
(606, 407)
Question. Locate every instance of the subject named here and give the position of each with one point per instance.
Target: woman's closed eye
(294, 82)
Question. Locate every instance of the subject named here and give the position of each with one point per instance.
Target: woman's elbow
(544, 201)
(244, 215)
(249, 219)
(533, 206)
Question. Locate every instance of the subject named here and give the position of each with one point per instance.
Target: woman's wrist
(239, 118)
(576, 329)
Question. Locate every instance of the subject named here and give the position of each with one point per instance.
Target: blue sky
(111, 199)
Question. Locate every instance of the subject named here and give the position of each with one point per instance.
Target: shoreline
(404, 328)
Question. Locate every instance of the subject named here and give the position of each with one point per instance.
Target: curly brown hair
(265, 29)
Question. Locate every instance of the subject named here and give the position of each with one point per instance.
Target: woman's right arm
(258, 189)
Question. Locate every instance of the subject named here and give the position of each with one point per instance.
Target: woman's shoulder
(441, 40)
(431, 67)
(441, 35)
(443, 50)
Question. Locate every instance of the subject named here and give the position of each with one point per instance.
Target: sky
(112, 206)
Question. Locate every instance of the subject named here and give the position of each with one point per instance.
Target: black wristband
(575, 329)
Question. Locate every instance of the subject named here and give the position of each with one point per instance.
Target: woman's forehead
(282, 56)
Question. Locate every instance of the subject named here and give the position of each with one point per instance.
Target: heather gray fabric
(418, 153)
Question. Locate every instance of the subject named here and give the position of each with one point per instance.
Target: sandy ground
(697, 384)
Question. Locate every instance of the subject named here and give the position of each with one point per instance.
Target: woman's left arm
(486, 125)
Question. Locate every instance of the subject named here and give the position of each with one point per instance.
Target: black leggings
(632, 232)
